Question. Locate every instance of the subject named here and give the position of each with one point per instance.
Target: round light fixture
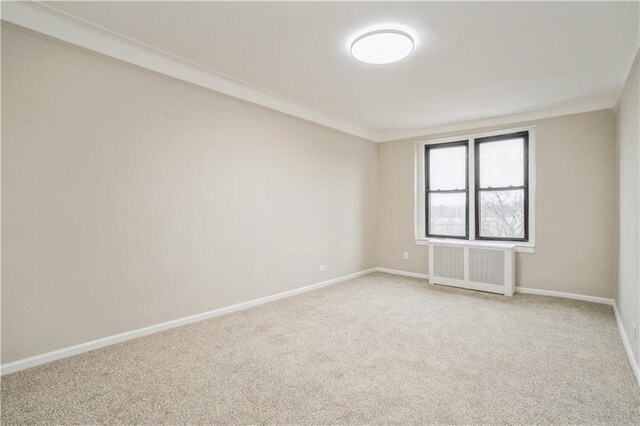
(382, 46)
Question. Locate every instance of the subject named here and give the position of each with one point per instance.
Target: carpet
(379, 349)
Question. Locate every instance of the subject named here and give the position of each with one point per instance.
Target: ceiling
(472, 60)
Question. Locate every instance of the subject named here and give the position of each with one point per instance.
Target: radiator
(490, 268)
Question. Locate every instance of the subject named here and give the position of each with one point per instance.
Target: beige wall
(628, 138)
(129, 199)
(575, 206)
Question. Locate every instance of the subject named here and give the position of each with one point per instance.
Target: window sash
(512, 225)
(524, 135)
(428, 191)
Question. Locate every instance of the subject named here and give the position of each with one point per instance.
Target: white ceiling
(472, 60)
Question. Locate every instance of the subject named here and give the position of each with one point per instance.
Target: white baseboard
(33, 361)
(626, 344)
(583, 297)
(524, 290)
(22, 364)
(403, 273)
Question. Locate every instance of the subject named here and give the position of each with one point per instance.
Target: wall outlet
(322, 268)
(405, 255)
(635, 331)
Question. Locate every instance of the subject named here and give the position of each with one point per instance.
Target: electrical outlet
(635, 331)
(405, 255)
(322, 268)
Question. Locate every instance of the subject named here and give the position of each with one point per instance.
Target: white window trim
(419, 192)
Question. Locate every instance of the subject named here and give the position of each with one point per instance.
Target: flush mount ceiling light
(382, 46)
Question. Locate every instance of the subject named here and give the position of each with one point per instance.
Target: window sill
(517, 246)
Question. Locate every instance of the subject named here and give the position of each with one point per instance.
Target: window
(447, 190)
(497, 167)
(501, 183)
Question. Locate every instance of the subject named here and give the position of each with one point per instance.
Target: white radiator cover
(489, 267)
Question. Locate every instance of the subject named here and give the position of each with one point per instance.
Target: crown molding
(575, 108)
(626, 78)
(51, 22)
(54, 23)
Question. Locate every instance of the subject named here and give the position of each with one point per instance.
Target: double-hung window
(502, 187)
(447, 190)
(476, 188)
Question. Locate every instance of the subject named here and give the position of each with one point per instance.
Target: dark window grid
(517, 135)
(428, 191)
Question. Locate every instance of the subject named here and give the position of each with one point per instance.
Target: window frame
(420, 236)
(427, 191)
(525, 186)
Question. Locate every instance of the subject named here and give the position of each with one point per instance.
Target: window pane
(501, 163)
(447, 214)
(447, 168)
(502, 214)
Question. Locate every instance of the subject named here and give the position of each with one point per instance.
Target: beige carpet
(378, 349)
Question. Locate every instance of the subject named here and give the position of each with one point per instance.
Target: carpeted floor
(377, 349)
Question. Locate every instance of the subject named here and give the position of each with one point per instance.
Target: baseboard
(583, 297)
(403, 273)
(524, 290)
(626, 344)
(34, 361)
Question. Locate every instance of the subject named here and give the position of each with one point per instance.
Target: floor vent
(489, 268)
